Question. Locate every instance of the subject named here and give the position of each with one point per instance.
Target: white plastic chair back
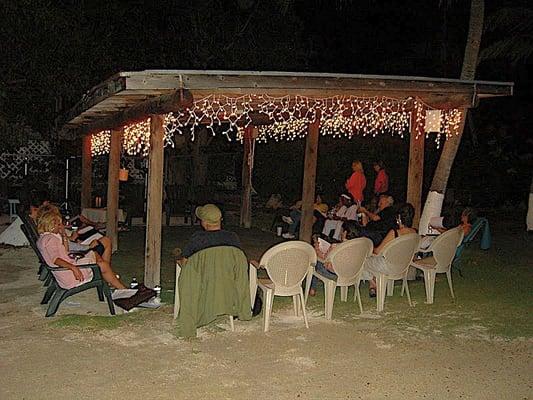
(399, 253)
(288, 263)
(444, 247)
(349, 257)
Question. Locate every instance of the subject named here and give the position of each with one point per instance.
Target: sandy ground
(331, 360)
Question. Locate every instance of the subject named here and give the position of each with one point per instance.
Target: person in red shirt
(381, 184)
(357, 182)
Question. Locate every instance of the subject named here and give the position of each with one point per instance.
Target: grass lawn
(493, 297)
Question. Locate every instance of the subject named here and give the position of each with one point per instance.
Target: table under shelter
(140, 111)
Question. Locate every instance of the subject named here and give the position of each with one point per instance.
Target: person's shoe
(288, 220)
(372, 292)
(288, 235)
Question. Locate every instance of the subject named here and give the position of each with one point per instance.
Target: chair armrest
(84, 266)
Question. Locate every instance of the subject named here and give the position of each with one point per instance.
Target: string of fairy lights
(287, 118)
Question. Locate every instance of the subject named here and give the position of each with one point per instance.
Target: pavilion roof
(133, 95)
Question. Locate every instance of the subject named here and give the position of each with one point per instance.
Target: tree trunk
(468, 72)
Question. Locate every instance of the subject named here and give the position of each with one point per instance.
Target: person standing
(356, 183)
(381, 184)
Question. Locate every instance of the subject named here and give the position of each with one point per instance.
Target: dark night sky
(62, 48)
(55, 50)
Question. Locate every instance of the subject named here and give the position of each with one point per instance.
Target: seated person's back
(212, 234)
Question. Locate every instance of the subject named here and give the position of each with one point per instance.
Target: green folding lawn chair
(481, 225)
(55, 294)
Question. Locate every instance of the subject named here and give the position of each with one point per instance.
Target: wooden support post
(309, 181)
(247, 167)
(415, 174)
(86, 172)
(112, 187)
(154, 206)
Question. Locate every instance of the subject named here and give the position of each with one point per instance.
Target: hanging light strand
(288, 119)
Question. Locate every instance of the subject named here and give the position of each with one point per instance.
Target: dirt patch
(81, 355)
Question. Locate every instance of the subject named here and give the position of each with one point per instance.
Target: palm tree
(468, 72)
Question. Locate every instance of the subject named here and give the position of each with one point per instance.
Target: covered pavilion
(140, 110)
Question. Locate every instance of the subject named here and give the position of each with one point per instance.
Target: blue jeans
(321, 269)
(296, 216)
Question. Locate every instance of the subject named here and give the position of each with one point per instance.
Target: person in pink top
(53, 246)
(357, 182)
(381, 184)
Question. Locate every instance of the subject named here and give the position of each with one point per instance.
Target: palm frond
(510, 19)
(516, 49)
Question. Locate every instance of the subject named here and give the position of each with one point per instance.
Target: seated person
(320, 210)
(344, 211)
(212, 234)
(54, 247)
(350, 230)
(442, 224)
(449, 221)
(379, 223)
(101, 244)
(376, 263)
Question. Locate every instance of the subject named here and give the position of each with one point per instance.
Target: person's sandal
(371, 292)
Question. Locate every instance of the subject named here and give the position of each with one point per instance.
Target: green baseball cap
(209, 213)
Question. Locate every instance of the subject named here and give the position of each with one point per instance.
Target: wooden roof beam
(179, 99)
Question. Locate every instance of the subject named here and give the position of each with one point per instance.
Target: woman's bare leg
(108, 247)
(108, 274)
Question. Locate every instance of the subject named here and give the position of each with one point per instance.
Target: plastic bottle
(134, 284)
(157, 299)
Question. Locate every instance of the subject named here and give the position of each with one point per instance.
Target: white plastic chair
(347, 259)
(253, 291)
(443, 248)
(398, 254)
(287, 264)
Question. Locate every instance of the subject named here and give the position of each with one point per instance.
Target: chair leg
(59, 296)
(107, 293)
(381, 289)
(408, 294)
(100, 291)
(267, 308)
(231, 324)
(48, 279)
(296, 306)
(48, 294)
(358, 296)
(390, 287)
(449, 276)
(429, 283)
(427, 286)
(308, 280)
(344, 293)
(329, 295)
(303, 308)
(404, 282)
(253, 284)
(177, 294)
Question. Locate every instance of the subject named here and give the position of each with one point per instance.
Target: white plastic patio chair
(347, 259)
(398, 253)
(443, 248)
(287, 265)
